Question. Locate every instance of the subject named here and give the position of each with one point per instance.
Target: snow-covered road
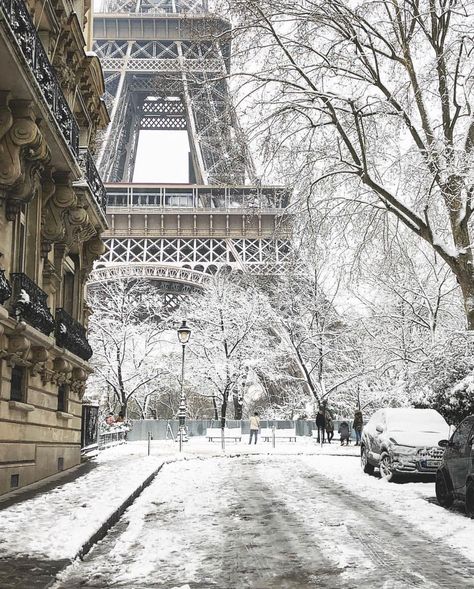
(268, 522)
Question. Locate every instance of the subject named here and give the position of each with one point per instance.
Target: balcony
(194, 198)
(29, 45)
(70, 334)
(30, 304)
(5, 288)
(92, 177)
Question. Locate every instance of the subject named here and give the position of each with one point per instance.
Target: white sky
(162, 157)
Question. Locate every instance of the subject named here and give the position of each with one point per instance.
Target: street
(264, 522)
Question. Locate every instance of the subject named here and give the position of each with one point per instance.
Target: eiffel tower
(166, 64)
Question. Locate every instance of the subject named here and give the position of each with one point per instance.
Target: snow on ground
(413, 501)
(80, 507)
(261, 521)
(76, 509)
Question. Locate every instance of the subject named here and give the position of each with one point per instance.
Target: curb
(116, 515)
(109, 522)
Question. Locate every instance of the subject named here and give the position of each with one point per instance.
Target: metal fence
(162, 429)
(112, 438)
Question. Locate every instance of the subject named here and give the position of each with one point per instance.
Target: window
(461, 435)
(18, 382)
(19, 242)
(69, 285)
(60, 463)
(63, 391)
(14, 481)
(68, 292)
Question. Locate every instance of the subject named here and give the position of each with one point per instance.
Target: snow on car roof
(410, 415)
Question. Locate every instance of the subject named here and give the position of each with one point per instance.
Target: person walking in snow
(329, 426)
(321, 425)
(358, 424)
(344, 433)
(254, 426)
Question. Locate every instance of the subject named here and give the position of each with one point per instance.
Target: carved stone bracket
(78, 381)
(18, 350)
(92, 250)
(62, 369)
(23, 152)
(56, 203)
(39, 358)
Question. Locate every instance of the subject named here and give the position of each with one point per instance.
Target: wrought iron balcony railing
(92, 177)
(30, 303)
(5, 287)
(70, 334)
(30, 46)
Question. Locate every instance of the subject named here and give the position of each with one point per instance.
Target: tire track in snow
(262, 523)
(402, 553)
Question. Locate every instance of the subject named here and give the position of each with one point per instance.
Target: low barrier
(112, 437)
(167, 429)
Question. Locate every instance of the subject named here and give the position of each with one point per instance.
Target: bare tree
(126, 334)
(370, 103)
(230, 337)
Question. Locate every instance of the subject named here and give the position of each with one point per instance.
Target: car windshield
(417, 422)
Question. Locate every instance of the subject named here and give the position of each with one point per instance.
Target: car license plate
(432, 463)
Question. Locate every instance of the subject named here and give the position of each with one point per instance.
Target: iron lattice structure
(166, 64)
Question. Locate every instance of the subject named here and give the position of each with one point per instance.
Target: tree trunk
(224, 409)
(237, 407)
(466, 282)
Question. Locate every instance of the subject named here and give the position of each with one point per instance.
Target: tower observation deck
(166, 64)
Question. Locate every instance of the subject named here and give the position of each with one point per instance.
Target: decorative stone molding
(56, 205)
(23, 151)
(18, 350)
(19, 406)
(78, 382)
(92, 251)
(62, 366)
(39, 358)
(6, 117)
(64, 415)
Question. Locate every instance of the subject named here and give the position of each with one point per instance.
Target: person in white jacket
(254, 426)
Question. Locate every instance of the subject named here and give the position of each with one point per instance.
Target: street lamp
(184, 333)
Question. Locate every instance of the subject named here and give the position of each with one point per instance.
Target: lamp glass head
(184, 333)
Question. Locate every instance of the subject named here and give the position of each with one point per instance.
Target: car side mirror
(379, 428)
(443, 443)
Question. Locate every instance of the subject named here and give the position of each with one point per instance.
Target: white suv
(403, 441)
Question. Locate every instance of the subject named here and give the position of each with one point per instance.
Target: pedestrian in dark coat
(344, 433)
(358, 424)
(329, 427)
(321, 425)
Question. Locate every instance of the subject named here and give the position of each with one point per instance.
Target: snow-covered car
(455, 476)
(403, 441)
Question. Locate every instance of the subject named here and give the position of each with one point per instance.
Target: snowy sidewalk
(56, 524)
(79, 508)
(47, 528)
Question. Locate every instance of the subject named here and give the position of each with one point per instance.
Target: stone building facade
(52, 214)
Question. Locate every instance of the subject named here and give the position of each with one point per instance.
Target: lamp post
(184, 333)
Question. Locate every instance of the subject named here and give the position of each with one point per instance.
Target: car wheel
(444, 495)
(386, 467)
(470, 499)
(364, 462)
